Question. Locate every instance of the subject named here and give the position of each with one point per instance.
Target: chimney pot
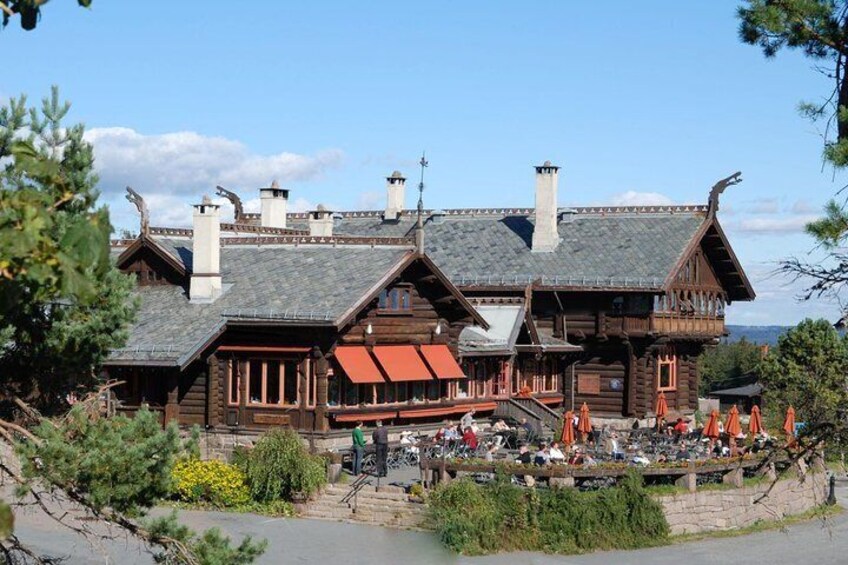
(205, 285)
(395, 188)
(321, 222)
(545, 232)
(273, 201)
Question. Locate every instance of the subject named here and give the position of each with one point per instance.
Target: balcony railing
(672, 323)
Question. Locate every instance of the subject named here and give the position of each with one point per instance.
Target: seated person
(491, 449)
(613, 447)
(640, 459)
(681, 427)
(662, 457)
(556, 454)
(524, 456)
(577, 457)
(529, 430)
(469, 438)
(500, 429)
(542, 456)
(683, 453)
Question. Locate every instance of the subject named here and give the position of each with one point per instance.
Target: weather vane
(423, 162)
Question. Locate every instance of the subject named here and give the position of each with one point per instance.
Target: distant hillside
(756, 334)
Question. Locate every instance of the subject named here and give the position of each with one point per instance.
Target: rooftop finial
(141, 206)
(419, 225)
(238, 208)
(720, 187)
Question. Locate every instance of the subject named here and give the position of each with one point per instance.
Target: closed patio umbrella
(755, 424)
(568, 428)
(789, 425)
(732, 426)
(662, 409)
(584, 425)
(711, 428)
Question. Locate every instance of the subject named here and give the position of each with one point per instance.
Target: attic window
(398, 299)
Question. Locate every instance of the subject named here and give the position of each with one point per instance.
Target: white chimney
(321, 222)
(545, 234)
(395, 185)
(274, 202)
(206, 250)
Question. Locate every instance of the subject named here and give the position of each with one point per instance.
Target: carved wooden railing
(669, 323)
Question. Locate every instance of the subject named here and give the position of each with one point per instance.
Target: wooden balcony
(677, 324)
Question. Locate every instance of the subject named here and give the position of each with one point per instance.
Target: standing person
(380, 437)
(467, 419)
(358, 448)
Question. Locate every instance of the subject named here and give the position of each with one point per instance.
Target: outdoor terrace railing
(685, 472)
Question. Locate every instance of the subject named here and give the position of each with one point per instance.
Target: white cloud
(802, 207)
(633, 198)
(773, 225)
(188, 163)
(172, 171)
(370, 200)
(762, 206)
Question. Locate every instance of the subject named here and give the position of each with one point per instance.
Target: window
(398, 299)
(551, 376)
(270, 382)
(667, 372)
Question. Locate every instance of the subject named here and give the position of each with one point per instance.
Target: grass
(275, 509)
(820, 512)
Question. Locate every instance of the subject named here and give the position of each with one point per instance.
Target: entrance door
(500, 383)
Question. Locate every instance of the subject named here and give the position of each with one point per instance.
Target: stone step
(363, 499)
(366, 507)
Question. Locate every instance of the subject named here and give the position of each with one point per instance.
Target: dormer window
(398, 299)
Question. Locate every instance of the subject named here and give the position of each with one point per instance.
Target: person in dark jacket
(380, 437)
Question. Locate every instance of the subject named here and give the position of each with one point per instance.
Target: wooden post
(322, 367)
(172, 405)
(733, 477)
(213, 389)
(689, 481)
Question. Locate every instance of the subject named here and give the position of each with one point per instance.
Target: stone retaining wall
(733, 508)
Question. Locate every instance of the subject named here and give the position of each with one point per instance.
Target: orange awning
(427, 412)
(369, 417)
(445, 410)
(358, 365)
(402, 363)
(441, 362)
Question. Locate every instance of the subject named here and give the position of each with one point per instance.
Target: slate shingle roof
(636, 248)
(315, 284)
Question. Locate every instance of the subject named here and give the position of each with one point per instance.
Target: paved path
(306, 541)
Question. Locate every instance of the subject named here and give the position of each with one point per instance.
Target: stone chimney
(321, 222)
(545, 234)
(274, 202)
(206, 249)
(395, 186)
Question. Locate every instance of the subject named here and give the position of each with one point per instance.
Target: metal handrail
(360, 483)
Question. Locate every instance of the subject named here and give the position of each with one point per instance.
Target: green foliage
(727, 362)
(279, 466)
(499, 516)
(121, 463)
(809, 370)
(215, 482)
(7, 520)
(29, 11)
(63, 305)
(831, 229)
(209, 548)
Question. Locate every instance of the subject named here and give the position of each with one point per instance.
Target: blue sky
(638, 102)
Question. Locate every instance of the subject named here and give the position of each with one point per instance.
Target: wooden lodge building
(317, 320)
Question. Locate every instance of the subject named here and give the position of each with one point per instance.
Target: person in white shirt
(555, 453)
(467, 419)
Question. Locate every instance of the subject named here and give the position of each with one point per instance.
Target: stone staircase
(388, 507)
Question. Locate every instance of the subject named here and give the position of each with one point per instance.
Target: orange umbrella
(711, 429)
(584, 426)
(568, 428)
(789, 422)
(662, 408)
(755, 424)
(732, 426)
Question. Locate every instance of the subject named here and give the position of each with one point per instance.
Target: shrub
(466, 520)
(214, 482)
(500, 516)
(279, 466)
